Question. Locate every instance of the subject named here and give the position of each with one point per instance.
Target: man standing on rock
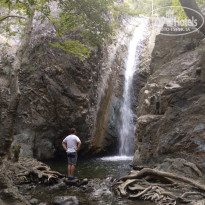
(71, 144)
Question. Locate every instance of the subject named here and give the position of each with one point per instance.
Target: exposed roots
(161, 187)
(29, 170)
(122, 187)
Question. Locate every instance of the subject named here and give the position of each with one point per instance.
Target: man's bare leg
(72, 170)
(69, 170)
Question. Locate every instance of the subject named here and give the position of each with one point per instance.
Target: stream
(97, 170)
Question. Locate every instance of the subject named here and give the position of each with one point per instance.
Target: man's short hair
(72, 130)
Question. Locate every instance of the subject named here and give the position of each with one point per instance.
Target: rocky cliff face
(171, 111)
(60, 92)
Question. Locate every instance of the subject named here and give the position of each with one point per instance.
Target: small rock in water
(34, 201)
(109, 179)
(74, 182)
(58, 186)
(65, 200)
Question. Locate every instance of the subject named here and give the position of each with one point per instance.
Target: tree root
(186, 194)
(141, 193)
(29, 170)
(148, 171)
(122, 187)
(136, 186)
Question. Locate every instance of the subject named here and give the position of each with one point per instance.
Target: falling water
(135, 49)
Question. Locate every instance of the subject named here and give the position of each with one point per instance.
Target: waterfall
(132, 62)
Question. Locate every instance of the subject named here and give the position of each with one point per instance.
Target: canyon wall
(171, 110)
(59, 92)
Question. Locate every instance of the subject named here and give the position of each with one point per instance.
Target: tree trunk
(191, 14)
(8, 125)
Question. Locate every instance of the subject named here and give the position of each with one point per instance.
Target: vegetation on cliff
(91, 21)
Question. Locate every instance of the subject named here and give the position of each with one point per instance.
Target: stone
(181, 167)
(199, 202)
(59, 186)
(71, 182)
(84, 182)
(25, 140)
(1, 202)
(34, 201)
(65, 200)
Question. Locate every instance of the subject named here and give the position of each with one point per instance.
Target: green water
(46, 195)
(92, 169)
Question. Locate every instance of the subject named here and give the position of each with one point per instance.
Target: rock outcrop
(59, 92)
(171, 109)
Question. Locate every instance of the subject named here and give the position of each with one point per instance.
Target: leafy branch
(11, 16)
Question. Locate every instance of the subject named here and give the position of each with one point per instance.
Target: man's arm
(64, 144)
(78, 146)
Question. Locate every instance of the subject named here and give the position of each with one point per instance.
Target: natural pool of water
(95, 168)
(100, 169)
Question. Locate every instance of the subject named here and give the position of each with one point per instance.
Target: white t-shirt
(71, 141)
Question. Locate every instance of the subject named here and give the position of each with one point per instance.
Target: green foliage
(126, 9)
(73, 47)
(80, 24)
(89, 19)
(13, 15)
(179, 11)
(199, 2)
(145, 6)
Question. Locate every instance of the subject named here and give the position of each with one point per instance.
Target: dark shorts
(72, 158)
